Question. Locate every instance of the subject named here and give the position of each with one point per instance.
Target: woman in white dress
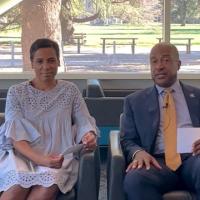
(39, 125)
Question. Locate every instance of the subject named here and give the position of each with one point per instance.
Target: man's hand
(89, 141)
(196, 147)
(143, 159)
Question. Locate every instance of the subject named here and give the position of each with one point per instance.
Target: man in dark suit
(148, 176)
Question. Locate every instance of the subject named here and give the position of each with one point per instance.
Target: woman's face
(45, 63)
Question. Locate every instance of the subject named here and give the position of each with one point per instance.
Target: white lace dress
(44, 118)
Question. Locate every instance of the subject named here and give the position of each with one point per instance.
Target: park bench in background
(182, 42)
(115, 41)
(80, 40)
(81, 37)
(10, 45)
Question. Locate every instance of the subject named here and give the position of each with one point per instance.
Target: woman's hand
(52, 161)
(89, 140)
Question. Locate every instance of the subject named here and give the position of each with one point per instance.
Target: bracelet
(133, 156)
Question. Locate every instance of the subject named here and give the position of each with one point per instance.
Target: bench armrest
(89, 176)
(116, 168)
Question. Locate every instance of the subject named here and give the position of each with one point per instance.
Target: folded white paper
(185, 139)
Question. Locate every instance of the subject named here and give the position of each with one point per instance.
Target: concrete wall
(108, 80)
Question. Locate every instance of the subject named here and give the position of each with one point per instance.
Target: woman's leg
(44, 193)
(16, 192)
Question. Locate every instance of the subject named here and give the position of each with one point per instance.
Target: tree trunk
(40, 18)
(66, 22)
(183, 12)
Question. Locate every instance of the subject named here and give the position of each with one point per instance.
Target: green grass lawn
(146, 34)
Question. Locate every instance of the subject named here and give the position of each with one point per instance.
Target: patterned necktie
(172, 158)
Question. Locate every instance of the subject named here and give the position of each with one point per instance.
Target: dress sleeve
(81, 117)
(16, 127)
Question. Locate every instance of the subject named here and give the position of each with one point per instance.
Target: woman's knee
(39, 192)
(16, 192)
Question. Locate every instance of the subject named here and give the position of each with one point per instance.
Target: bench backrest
(119, 92)
(3, 93)
(2, 105)
(94, 88)
(106, 111)
(2, 119)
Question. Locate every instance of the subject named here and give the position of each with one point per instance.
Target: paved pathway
(123, 61)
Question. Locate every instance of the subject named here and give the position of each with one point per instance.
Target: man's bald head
(171, 47)
(164, 61)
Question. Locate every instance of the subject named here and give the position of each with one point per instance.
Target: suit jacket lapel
(192, 103)
(153, 111)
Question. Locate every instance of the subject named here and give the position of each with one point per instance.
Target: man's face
(164, 64)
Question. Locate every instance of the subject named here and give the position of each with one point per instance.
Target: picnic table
(80, 40)
(114, 41)
(12, 43)
(183, 41)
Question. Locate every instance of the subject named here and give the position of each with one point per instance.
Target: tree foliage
(184, 11)
(10, 19)
(134, 11)
(129, 11)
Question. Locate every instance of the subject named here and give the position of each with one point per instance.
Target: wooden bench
(183, 42)
(11, 44)
(81, 36)
(118, 41)
(80, 40)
